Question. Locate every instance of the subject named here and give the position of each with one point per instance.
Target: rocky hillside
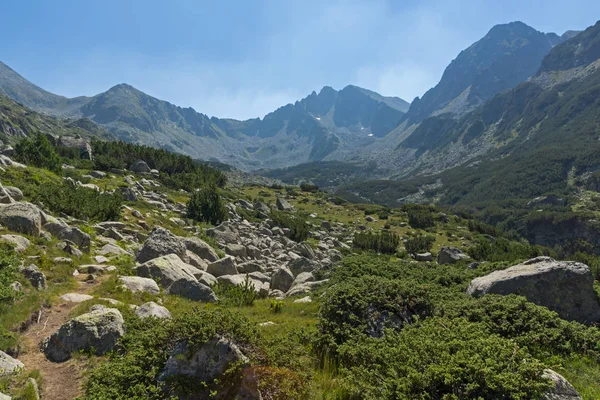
(120, 283)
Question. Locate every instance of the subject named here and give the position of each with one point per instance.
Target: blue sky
(245, 58)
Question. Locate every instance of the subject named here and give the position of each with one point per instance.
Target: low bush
(206, 205)
(381, 242)
(419, 244)
(9, 272)
(440, 358)
(296, 223)
(132, 371)
(38, 152)
(236, 295)
(80, 202)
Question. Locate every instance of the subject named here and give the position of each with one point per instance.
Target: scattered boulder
(561, 388)
(282, 279)
(151, 309)
(562, 286)
(303, 265)
(236, 250)
(283, 204)
(70, 248)
(35, 276)
(140, 167)
(73, 234)
(176, 277)
(9, 365)
(22, 218)
(139, 284)
(160, 243)
(76, 297)
(96, 331)
(224, 266)
(205, 364)
(20, 243)
(110, 249)
(450, 255)
(424, 257)
(201, 248)
(223, 233)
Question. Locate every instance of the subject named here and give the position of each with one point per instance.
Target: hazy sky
(245, 58)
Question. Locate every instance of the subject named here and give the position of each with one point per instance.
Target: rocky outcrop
(161, 242)
(96, 331)
(562, 286)
(561, 388)
(450, 255)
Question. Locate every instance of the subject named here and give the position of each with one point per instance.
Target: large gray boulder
(14, 192)
(224, 266)
(22, 218)
(166, 270)
(207, 363)
(561, 388)
(283, 204)
(96, 331)
(20, 243)
(450, 255)
(160, 243)
(73, 234)
(282, 279)
(139, 284)
(224, 233)
(193, 290)
(177, 278)
(140, 167)
(563, 286)
(151, 309)
(9, 365)
(201, 248)
(34, 276)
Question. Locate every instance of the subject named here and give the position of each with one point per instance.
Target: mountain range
(498, 103)
(352, 125)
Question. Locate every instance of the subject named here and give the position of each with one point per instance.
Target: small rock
(151, 309)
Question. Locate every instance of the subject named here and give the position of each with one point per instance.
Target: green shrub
(382, 242)
(296, 223)
(309, 187)
(39, 152)
(80, 202)
(440, 358)
(132, 371)
(9, 272)
(367, 305)
(419, 244)
(503, 249)
(276, 306)
(206, 205)
(420, 219)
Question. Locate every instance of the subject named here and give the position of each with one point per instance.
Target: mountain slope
(506, 56)
(17, 88)
(542, 137)
(16, 122)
